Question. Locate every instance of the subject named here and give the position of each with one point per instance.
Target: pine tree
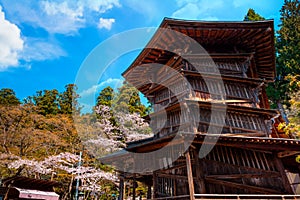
(105, 97)
(68, 100)
(253, 16)
(288, 56)
(46, 102)
(288, 43)
(128, 100)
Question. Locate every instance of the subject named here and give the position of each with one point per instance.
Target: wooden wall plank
(253, 189)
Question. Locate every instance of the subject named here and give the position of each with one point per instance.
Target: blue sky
(44, 43)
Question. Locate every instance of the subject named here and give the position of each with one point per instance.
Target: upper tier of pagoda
(246, 48)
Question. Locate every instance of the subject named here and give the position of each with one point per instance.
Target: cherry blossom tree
(111, 131)
(91, 178)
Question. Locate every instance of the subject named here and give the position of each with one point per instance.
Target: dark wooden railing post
(121, 188)
(149, 191)
(133, 188)
(154, 185)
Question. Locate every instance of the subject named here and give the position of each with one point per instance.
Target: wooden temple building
(211, 116)
(22, 188)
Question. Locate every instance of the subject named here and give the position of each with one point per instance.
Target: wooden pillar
(133, 188)
(190, 175)
(199, 172)
(174, 187)
(149, 191)
(126, 194)
(154, 185)
(285, 180)
(121, 189)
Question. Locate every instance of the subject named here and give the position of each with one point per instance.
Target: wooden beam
(251, 188)
(260, 171)
(174, 167)
(172, 176)
(190, 175)
(237, 176)
(244, 134)
(285, 181)
(287, 153)
(271, 146)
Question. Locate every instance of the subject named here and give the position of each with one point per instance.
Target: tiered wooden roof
(30, 183)
(244, 158)
(247, 36)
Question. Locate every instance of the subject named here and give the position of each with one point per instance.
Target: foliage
(288, 55)
(128, 100)
(39, 139)
(52, 102)
(91, 178)
(100, 136)
(16, 129)
(28, 135)
(68, 100)
(298, 159)
(253, 16)
(105, 97)
(46, 102)
(25, 133)
(293, 127)
(8, 97)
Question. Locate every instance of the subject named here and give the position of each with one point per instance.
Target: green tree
(47, 102)
(288, 43)
(105, 97)
(253, 16)
(288, 56)
(284, 92)
(68, 100)
(128, 100)
(8, 97)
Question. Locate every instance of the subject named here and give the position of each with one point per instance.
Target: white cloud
(197, 9)
(69, 15)
(210, 18)
(100, 6)
(53, 8)
(61, 17)
(105, 23)
(39, 49)
(87, 97)
(113, 82)
(150, 9)
(64, 16)
(11, 43)
(189, 11)
(246, 3)
(181, 3)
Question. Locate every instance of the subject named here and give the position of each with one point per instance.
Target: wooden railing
(232, 196)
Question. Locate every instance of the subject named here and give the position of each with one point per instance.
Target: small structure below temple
(28, 188)
(212, 114)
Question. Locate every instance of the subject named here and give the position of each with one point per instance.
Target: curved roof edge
(266, 28)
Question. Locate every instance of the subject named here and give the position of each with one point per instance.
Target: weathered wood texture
(243, 121)
(200, 95)
(226, 170)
